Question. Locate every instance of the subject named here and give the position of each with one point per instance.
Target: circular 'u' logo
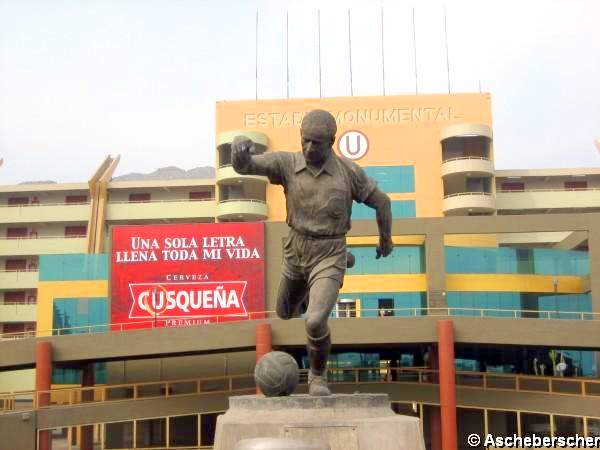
(353, 144)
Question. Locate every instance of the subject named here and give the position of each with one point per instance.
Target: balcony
(26, 279)
(227, 174)
(42, 246)
(247, 209)
(466, 130)
(475, 166)
(464, 203)
(32, 213)
(153, 210)
(548, 199)
(18, 312)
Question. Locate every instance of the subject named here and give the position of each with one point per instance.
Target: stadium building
(494, 283)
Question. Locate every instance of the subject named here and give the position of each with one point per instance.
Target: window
(138, 198)
(346, 307)
(200, 195)
(478, 184)
(16, 233)
(406, 409)
(118, 435)
(73, 231)
(502, 423)
(183, 431)
(208, 426)
(14, 265)
(535, 424)
(566, 426)
(14, 328)
(575, 185)
(151, 433)
(70, 199)
(17, 201)
(512, 186)
(14, 297)
(386, 307)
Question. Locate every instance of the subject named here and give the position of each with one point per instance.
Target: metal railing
(25, 302)
(228, 384)
(457, 311)
(176, 200)
(518, 191)
(19, 270)
(463, 158)
(35, 237)
(459, 194)
(452, 311)
(251, 200)
(44, 204)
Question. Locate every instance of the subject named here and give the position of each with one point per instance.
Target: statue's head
(317, 131)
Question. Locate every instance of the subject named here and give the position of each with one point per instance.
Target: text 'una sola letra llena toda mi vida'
(186, 249)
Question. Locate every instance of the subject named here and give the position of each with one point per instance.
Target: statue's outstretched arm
(246, 162)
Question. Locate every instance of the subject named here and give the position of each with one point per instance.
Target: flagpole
(350, 52)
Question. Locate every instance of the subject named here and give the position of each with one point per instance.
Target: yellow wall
(507, 282)
(402, 130)
(384, 283)
(49, 290)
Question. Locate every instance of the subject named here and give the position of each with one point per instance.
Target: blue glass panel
(91, 315)
(404, 259)
(582, 363)
(549, 261)
(68, 375)
(80, 315)
(393, 179)
(73, 267)
(400, 208)
(512, 260)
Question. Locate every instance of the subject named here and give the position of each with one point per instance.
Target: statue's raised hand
(385, 247)
(242, 149)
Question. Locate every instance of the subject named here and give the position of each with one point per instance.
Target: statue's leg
(322, 298)
(290, 297)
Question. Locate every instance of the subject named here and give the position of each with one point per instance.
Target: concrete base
(345, 422)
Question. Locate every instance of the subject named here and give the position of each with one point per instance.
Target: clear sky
(80, 79)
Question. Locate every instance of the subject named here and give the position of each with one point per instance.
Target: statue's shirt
(317, 204)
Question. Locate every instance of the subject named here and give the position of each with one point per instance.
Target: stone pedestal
(345, 422)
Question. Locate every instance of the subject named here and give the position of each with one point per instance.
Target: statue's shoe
(317, 385)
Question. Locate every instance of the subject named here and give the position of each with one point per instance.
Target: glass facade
(400, 208)
(79, 316)
(518, 304)
(404, 259)
(468, 303)
(74, 267)
(197, 430)
(373, 304)
(393, 179)
(538, 261)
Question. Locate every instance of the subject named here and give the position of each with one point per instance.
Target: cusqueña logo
(195, 299)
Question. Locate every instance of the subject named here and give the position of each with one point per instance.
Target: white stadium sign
(353, 144)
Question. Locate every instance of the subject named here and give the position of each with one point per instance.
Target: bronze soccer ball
(276, 374)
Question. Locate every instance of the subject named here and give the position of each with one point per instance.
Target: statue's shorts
(311, 258)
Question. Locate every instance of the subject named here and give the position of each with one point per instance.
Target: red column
(87, 431)
(263, 342)
(445, 333)
(43, 382)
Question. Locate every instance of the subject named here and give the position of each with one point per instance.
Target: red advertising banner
(186, 274)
